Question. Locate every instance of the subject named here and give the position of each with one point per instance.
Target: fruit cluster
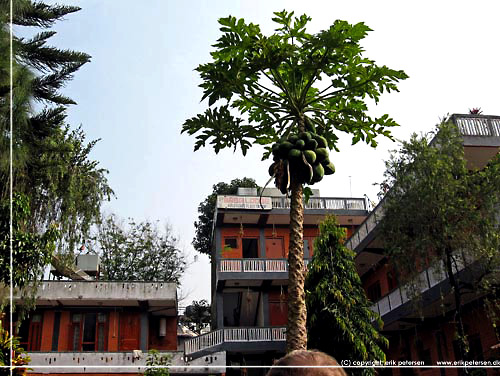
(305, 155)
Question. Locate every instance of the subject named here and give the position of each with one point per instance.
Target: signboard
(244, 202)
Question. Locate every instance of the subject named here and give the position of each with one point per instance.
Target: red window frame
(77, 331)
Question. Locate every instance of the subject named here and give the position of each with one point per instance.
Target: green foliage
(196, 316)
(338, 311)
(202, 241)
(137, 252)
(8, 345)
(157, 359)
(270, 80)
(437, 206)
(439, 212)
(31, 251)
(51, 164)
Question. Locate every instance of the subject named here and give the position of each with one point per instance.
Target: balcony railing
(228, 335)
(477, 125)
(426, 280)
(328, 203)
(255, 265)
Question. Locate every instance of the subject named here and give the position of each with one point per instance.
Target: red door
(274, 248)
(130, 331)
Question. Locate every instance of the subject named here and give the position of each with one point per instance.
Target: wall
(168, 342)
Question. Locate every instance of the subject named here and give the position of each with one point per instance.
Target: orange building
(250, 271)
(106, 328)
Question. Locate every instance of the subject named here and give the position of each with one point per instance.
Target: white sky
(140, 87)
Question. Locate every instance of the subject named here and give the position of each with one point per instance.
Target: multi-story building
(426, 331)
(103, 328)
(250, 276)
(250, 271)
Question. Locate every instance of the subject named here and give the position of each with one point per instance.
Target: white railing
(255, 265)
(227, 335)
(477, 125)
(366, 227)
(426, 280)
(329, 203)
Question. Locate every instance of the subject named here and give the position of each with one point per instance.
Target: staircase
(219, 340)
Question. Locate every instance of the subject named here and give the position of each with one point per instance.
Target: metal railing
(427, 279)
(255, 265)
(227, 335)
(477, 125)
(328, 203)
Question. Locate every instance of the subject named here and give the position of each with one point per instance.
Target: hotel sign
(244, 202)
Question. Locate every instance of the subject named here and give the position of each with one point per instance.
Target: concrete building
(250, 271)
(250, 276)
(107, 328)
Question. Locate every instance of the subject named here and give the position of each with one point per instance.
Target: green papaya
(271, 169)
(321, 154)
(300, 144)
(306, 136)
(310, 156)
(284, 148)
(310, 125)
(274, 148)
(312, 144)
(318, 173)
(322, 143)
(329, 169)
(293, 138)
(294, 154)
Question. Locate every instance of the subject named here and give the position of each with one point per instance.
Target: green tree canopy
(196, 316)
(438, 212)
(264, 89)
(137, 251)
(51, 163)
(202, 241)
(338, 312)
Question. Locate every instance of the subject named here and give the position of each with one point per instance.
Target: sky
(141, 86)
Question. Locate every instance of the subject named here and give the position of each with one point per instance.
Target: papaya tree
(281, 89)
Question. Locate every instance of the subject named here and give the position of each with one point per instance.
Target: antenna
(350, 185)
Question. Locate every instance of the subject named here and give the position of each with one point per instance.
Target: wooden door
(275, 248)
(130, 331)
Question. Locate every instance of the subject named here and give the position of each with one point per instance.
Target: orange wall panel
(280, 233)
(113, 331)
(47, 331)
(64, 332)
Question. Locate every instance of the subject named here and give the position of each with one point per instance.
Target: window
(373, 292)
(88, 331)
(30, 333)
(230, 243)
(250, 248)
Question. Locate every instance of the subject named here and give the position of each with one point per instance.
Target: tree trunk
(462, 341)
(296, 335)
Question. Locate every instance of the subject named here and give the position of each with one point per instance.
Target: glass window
(89, 331)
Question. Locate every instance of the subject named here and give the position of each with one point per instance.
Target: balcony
(95, 293)
(235, 339)
(235, 272)
(120, 362)
(276, 210)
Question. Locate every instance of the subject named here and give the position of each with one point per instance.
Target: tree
(51, 164)
(338, 312)
(137, 252)
(196, 316)
(439, 212)
(157, 364)
(273, 84)
(202, 241)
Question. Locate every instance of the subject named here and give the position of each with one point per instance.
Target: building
(249, 276)
(250, 271)
(103, 328)
(428, 334)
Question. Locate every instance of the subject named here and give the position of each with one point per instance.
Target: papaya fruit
(294, 154)
(321, 154)
(284, 148)
(310, 156)
(300, 144)
(271, 169)
(322, 143)
(329, 169)
(306, 136)
(318, 173)
(312, 144)
(293, 138)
